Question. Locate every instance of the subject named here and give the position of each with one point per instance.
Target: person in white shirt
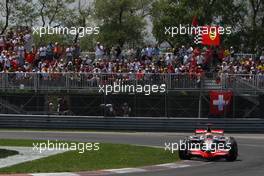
(199, 59)
(168, 59)
(69, 53)
(99, 51)
(42, 53)
(21, 55)
(28, 42)
(7, 63)
(262, 57)
(149, 51)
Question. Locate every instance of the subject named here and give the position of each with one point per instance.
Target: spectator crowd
(18, 54)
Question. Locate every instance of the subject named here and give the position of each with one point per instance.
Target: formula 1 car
(208, 144)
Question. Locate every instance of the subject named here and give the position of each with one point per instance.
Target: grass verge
(108, 157)
(6, 153)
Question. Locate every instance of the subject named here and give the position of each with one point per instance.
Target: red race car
(208, 144)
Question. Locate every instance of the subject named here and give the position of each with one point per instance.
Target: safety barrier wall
(135, 124)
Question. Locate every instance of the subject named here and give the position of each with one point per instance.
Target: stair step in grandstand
(211, 84)
(10, 107)
(252, 99)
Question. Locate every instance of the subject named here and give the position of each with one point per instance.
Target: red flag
(194, 24)
(220, 102)
(210, 35)
(195, 21)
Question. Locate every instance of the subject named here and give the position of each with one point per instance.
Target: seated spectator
(42, 53)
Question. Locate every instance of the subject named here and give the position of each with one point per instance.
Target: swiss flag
(210, 36)
(220, 102)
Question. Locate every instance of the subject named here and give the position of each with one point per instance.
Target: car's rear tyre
(233, 152)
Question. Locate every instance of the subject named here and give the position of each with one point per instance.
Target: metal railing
(84, 81)
(243, 82)
(245, 55)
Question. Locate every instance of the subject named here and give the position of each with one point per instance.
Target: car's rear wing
(200, 131)
(217, 131)
(203, 131)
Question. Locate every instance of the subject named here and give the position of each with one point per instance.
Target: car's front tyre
(183, 151)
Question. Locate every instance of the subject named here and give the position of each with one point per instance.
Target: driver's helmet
(209, 136)
(208, 129)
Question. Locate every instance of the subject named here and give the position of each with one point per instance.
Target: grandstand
(51, 79)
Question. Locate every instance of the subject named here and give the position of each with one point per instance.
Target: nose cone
(208, 144)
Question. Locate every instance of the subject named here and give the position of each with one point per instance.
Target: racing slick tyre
(183, 154)
(233, 152)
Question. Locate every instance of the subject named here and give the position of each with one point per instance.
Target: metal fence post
(67, 82)
(257, 82)
(200, 105)
(35, 81)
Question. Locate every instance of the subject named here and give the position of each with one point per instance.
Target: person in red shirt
(199, 75)
(196, 52)
(14, 64)
(171, 68)
(140, 75)
(57, 51)
(30, 57)
(199, 71)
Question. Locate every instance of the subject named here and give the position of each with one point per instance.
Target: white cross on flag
(220, 102)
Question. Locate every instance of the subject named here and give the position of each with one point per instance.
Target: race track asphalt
(250, 161)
